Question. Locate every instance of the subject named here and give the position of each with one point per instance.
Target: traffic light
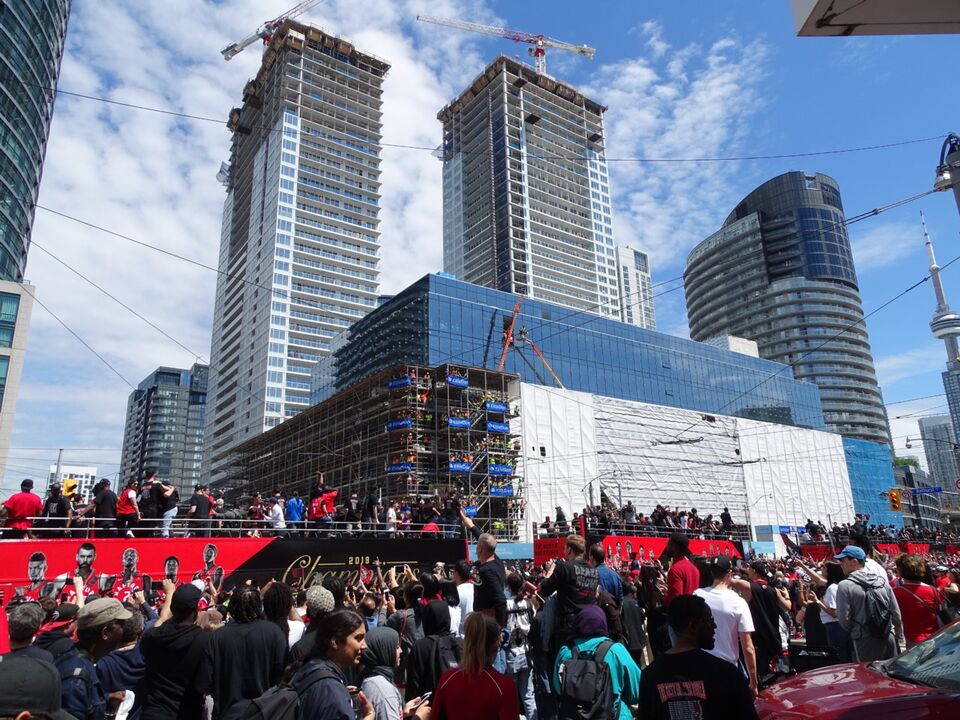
(894, 495)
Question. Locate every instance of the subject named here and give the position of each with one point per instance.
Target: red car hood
(822, 692)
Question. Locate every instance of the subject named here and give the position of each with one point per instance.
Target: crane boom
(267, 29)
(539, 43)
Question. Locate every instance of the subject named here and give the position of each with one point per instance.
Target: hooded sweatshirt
(171, 656)
(56, 642)
(852, 615)
(433, 654)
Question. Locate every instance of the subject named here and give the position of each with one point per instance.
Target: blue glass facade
(439, 319)
(871, 476)
(31, 40)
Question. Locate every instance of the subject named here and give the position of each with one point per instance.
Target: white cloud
(674, 103)
(884, 244)
(891, 369)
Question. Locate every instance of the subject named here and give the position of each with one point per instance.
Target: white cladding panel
(766, 474)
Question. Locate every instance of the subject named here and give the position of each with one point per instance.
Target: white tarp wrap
(803, 475)
(657, 455)
(562, 423)
(767, 474)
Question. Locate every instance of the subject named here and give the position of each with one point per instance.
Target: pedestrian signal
(895, 503)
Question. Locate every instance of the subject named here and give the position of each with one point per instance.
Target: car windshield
(934, 662)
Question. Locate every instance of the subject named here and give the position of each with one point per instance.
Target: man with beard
(686, 681)
(36, 573)
(210, 571)
(130, 580)
(92, 582)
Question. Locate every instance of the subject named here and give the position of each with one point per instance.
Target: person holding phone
(379, 660)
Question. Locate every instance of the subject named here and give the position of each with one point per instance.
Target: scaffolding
(406, 433)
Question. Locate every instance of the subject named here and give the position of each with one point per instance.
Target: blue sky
(688, 78)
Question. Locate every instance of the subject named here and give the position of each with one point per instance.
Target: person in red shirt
(918, 601)
(683, 577)
(19, 510)
(475, 691)
(941, 580)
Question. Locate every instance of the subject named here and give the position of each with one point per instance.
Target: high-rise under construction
(526, 198)
(299, 246)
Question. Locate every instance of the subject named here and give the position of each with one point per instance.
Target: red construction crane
(266, 31)
(512, 340)
(539, 43)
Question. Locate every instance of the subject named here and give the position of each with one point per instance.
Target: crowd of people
(488, 640)
(816, 531)
(625, 520)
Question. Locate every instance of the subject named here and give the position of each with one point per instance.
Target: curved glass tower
(780, 272)
(31, 37)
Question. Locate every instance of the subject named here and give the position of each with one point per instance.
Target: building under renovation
(407, 432)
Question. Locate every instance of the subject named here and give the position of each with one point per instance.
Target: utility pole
(948, 171)
(56, 477)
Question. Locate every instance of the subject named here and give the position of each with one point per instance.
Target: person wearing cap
(56, 636)
(734, 623)
(30, 688)
(852, 612)
(99, 630)
(172, 653)
(19, 510)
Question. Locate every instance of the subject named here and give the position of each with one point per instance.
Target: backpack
(281, 701)
(586, 688)
(877, 616)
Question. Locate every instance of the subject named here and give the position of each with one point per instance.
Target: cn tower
(945, 324)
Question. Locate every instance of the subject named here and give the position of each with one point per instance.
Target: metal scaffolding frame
(406, 433)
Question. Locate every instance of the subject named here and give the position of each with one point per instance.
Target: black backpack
(282, 701)
(586, 688)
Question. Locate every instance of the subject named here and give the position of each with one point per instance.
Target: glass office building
(871, 476)
(31, 46)
(439, 319)
(780, 272)
(164, 427)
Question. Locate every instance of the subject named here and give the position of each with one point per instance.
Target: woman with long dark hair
(340, 641)
(650, 596)
(475, 691)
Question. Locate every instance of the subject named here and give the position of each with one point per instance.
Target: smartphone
(423, 699)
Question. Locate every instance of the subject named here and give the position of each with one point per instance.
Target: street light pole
(948, 171)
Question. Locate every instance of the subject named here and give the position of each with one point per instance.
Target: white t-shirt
(830, 600)
(465, 591)
(296, 632)
(275, 517)
(391, 519)
(732, 616)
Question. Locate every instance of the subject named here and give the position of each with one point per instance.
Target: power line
(83, 342)
(922, 397)
(733, 158)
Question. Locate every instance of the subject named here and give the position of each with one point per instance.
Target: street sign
(926, 490)
(957, 483)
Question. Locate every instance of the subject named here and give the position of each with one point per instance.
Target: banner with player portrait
(121, 567)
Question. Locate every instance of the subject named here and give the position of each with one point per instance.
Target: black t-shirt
(694, 684)
(766, 619)
(56, 507)
(106, 502)
(576, 585)
(202, 505)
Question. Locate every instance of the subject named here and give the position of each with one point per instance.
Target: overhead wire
(406, 146)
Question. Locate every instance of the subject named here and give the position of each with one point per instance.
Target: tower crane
(267, 29)
(539, 43)
(514, 340)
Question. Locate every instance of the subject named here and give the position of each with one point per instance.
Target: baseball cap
(32, 685)
(100, 612)
(186, 598)
(941, 568)
(26, 484)
(721, 563)
(851, 551)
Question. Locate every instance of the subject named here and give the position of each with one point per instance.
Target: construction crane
(539, 43)
(266, 31)
(520, 338)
